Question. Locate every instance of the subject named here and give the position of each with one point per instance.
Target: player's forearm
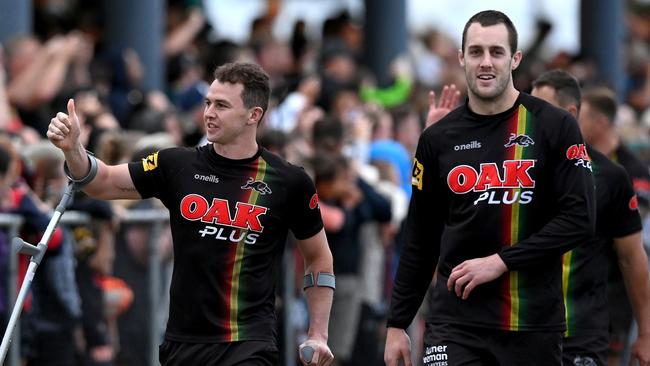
(79, 166)
(417, 263)
(77, 161)
(318, 259)
(637, 284)
(563, 233)
(319, 301)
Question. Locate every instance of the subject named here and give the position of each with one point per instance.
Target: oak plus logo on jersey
(470, 146)
(633, 204)
(520, 140)
(257, 185)
(578, 152)
(244, 226)
(313, 202)
(497, 185)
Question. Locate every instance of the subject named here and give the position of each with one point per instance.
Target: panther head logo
(521, 140)
(257, 185)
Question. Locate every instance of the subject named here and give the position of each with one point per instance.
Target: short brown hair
(254, 79)
(488, 18)
(566, 86)
(602, 100)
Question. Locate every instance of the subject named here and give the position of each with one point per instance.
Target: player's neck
(493, 106)
(607, 143)
(236, 151)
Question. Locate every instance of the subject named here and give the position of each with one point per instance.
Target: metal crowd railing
(156, 218)
(11, 223)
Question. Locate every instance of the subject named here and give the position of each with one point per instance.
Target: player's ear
(255, 115)
(573, 110)
(516, 60)
(461, 58)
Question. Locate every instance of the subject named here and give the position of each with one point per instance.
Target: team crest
(257, 185)
(150, 162)
(520, 140)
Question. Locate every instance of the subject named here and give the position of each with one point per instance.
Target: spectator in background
(348, 202)
(38, 73)
(406, 127)
(338, 70)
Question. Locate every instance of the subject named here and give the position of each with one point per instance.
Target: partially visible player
(618, 230)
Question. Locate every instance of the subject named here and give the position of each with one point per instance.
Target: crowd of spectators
(354, 137)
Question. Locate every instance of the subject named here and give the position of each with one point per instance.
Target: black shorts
(244, 353)
(586, 350)
(453, 345)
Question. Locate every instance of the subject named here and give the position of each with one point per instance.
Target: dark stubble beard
(495, 95)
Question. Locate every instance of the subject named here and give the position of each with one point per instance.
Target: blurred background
(350, 82)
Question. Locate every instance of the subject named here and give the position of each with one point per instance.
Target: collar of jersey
(216, 158)
(494, 117)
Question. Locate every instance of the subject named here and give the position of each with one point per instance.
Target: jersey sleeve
(304, 213)
(573, 189)
(148, 175)
(625, 220)
(422, 238)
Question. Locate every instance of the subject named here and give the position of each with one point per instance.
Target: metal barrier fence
(156, 218)
(158, 309)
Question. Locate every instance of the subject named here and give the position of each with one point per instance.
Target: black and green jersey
(229, 222)
(585, 268)
(517, 183)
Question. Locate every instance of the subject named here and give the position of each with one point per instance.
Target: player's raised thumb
(72, 113)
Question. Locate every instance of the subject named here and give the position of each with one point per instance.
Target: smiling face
(226, 119)
(488, 61)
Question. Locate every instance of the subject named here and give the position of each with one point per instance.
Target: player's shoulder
(169, 159)
(543, 110)
(281, 167)
(631, 162)
(178, 152)
(607, 168)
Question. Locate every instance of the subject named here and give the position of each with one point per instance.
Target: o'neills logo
(513, 174)
(207, 178)
(195, 207)
(472, 145)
